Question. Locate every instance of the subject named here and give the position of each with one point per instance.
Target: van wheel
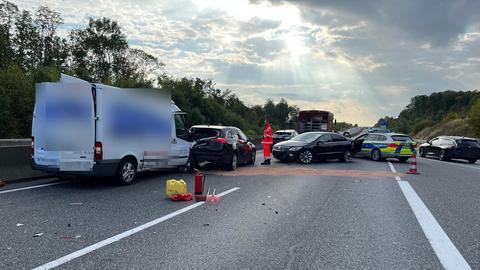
(233, 163)
(376, 155)
(126, 172)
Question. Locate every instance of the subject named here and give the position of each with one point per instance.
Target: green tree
(474, 118)
(8, 12)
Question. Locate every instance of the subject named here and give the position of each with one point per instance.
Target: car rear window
(401, 138)
(467, 143)
(200, 133)
(282, 133)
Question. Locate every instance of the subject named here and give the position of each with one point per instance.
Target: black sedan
(448, 147)
(311, 146)
(226, 146)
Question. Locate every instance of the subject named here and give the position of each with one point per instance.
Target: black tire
(443, 155)
(347, 157)
(376, 155)
(471, 161)
(189, 167)
(421, 152)
(253, 158)
(305, 156)
(402, 159)
(126, 171)
(233, 162)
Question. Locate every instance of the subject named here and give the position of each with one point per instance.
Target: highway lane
(317, 218)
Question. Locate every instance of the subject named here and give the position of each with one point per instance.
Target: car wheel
(305, 156)
(347, 156)
(253, 158)
(190, 166)
(443, 155)
(471, 161)
(376, 155)
(421, 152)
(402, 159)
(126, 171)
(233, 163)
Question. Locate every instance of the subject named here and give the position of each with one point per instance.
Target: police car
(378, 146)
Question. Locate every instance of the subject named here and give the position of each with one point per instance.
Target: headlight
(295, 148)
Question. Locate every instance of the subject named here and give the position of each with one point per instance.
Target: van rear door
(64, 126)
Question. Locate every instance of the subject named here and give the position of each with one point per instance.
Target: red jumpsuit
(267, 140)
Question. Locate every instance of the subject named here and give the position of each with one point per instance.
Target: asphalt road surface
(328, 215)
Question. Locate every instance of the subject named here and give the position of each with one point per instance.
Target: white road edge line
(452, 163)
(36, 186)
(446, 252)
(125, 234)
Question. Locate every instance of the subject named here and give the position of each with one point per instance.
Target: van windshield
(201, 133)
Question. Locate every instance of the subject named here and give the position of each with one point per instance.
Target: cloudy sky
(359, 59)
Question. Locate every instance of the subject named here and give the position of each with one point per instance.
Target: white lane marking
(446, 252)
(391, 167)
(398, 178)
(453, 163)
(36, 186)
(125, 234)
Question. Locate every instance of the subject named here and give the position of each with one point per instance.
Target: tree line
(425, 111)
(32, 50)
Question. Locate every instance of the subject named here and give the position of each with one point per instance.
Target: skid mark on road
(453, 163)
(301, 171)
(125, 234)
(446, 252)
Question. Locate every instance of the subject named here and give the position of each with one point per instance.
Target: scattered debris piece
(20, 224)
(77, 236)
(76, 203)
(182, 197)
(263, 203)
(2, 183)
(37, 234)
(276, 212)
(206, 224)
(69, 225)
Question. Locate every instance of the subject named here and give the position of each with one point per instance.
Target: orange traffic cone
(413, 165)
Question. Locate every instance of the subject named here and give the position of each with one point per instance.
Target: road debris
(2, 183)
(76, 203)
(263, 203)
(276, 212)
(37, 234)
(20, 224)
(77, 236)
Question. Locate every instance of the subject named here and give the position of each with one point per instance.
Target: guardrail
(15, 160)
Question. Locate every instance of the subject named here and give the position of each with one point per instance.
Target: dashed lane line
(446, 252)
(33, 187)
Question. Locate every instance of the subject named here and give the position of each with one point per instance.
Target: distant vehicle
(311, 146)
(227, 146)
(80, 128)
(314, 120)
(378, 130)
(448, 147)
(283, 135)
(378, 146)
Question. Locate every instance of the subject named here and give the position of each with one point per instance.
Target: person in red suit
(267, 142)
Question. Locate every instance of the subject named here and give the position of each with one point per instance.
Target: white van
(81, 128)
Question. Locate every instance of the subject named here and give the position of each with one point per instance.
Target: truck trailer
(315, 120)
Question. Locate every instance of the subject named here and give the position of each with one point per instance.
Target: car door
(242, 146)
(339, 145)
(323, 146)
(358, 142)
(436, 146)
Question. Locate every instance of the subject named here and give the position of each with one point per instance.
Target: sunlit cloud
(361, 61)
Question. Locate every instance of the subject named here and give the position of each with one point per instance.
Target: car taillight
(32, 146)
(98, 151)
(220, 140)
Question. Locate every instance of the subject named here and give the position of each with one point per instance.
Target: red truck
(315, 120)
